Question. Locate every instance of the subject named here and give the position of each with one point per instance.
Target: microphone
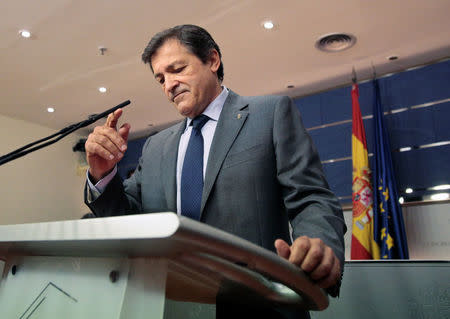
(96, 117)
(54, 137)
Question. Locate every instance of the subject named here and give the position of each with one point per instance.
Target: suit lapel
(231, 120)
(169, 165)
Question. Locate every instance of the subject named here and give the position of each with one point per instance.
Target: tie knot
(199, 121)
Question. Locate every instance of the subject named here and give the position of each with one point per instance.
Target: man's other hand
(106, 146)
(313, 257)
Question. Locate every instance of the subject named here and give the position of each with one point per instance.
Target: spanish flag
(363, 243)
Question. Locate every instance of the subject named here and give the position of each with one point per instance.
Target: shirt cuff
(100, 186)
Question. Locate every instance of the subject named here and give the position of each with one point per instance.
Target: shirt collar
(215, 107)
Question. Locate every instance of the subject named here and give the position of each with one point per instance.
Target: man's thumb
(283, 248)
(124, 131)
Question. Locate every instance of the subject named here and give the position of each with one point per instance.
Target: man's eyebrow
(169, 67)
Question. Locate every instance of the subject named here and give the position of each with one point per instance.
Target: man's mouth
(177, 95)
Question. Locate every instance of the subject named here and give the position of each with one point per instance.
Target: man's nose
(170, 84)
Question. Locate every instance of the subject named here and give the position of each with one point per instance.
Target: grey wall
(42, 186)
(370, 290)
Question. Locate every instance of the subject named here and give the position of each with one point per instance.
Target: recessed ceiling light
(335, 42)
(102, 89)
(25, 33)
(408, 190)
(268, 24)
(440, 196)
(50, 110)
(401, 200)
(440, 187)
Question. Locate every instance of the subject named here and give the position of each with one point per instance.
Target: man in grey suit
(260, 169)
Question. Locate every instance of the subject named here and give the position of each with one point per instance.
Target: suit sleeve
(313, 210)
(119, 197)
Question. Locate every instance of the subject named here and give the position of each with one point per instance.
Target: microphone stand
(57, 136)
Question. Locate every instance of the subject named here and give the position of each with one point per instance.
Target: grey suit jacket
(262, 172)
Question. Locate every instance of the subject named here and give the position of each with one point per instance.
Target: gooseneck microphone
(57, 136)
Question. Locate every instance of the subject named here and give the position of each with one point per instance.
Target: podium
(125, 267)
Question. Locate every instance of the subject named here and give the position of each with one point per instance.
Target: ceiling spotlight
(401, 200)
(440, 187)
(440, 196)
(25, 33)
(268, 25)
(102, 89)
(50, 110)
(408, 190)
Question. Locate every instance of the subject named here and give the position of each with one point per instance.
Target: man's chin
(184, 110)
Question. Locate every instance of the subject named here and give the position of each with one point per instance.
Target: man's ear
(214, 60)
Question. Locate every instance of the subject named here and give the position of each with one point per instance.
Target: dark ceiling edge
(365, 79)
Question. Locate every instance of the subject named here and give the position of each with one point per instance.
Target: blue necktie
(192, 172)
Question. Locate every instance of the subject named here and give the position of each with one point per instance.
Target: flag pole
(374, 73)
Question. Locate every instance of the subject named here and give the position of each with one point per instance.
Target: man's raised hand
(106, 145)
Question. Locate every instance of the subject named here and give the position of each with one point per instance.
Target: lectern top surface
(187, 243)
(157, 225)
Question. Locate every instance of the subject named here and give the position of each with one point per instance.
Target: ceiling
(61, 66)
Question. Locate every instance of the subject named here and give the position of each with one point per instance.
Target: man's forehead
(171, 47)
(170, 53)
